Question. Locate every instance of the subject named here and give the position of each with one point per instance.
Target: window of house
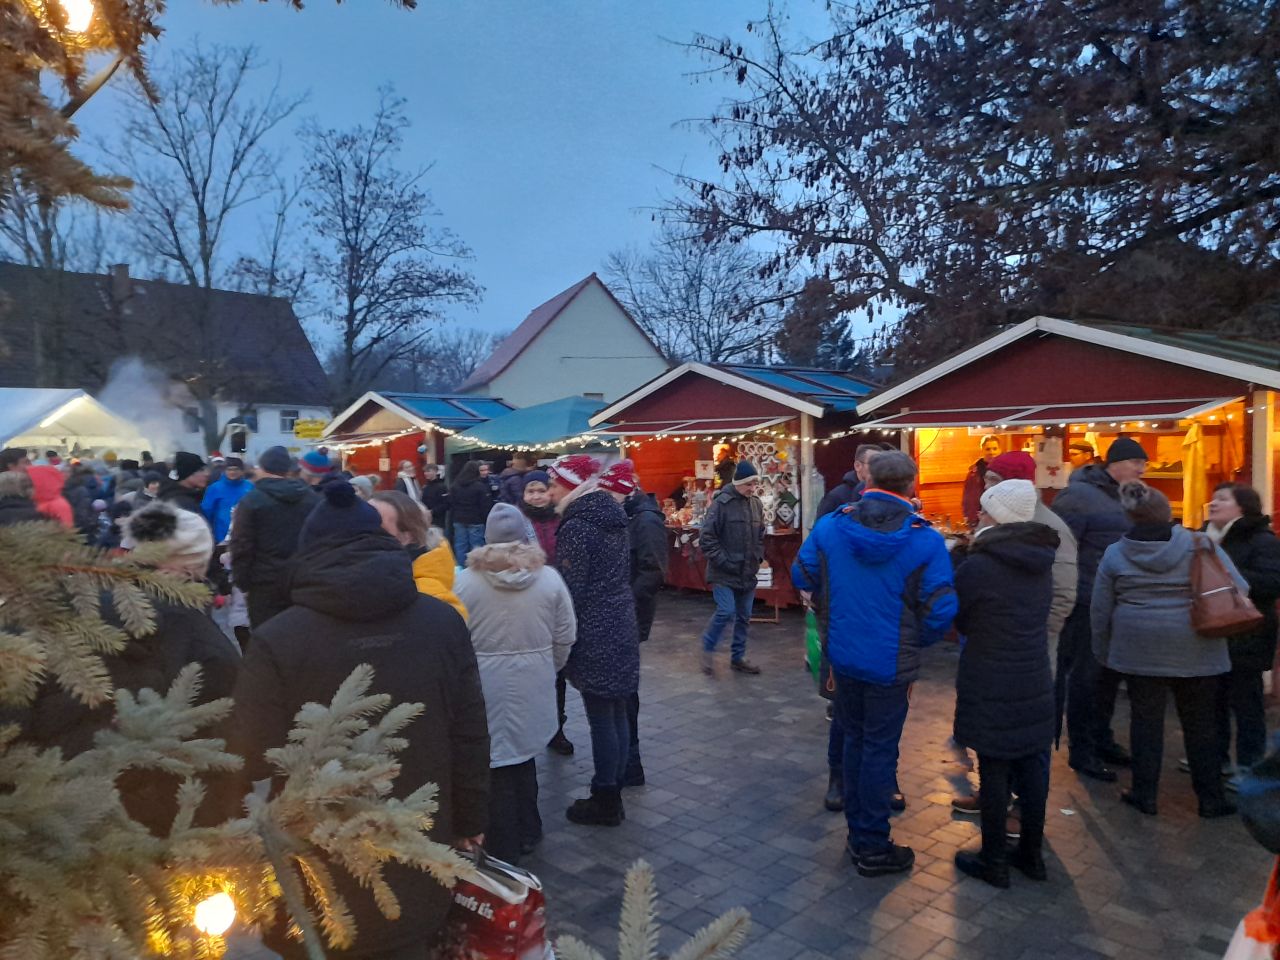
(287, 420)
(191, 420)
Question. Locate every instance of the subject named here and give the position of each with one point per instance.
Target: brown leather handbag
(1218, 607)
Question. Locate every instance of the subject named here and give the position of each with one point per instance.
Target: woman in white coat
(522, 627)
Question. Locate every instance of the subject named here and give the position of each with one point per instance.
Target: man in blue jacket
(222, 496)
(888, 584)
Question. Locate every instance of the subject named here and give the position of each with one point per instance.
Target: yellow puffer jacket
(433, 573)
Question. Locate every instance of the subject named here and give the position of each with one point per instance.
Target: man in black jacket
(353, 601)
(850, 488)
(184, 487)
(435, 494)
(733, 543)
(264, 534)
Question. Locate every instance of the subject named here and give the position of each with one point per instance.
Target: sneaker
(708, 663)
(745, 666)
(968, 806)
(561, 744)
(893, 859)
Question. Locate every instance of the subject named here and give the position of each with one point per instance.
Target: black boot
(834, 800)
(1030, 862)
(977, 864)
(602, 809)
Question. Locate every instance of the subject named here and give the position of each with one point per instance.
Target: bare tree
(385, 268)
(440, 361)
(279, 270)
(697, 300)
(200, 154)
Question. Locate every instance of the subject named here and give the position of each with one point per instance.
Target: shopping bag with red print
(1258, 934)
(498, 913)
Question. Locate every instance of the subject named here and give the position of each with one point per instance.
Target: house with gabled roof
(581, 342)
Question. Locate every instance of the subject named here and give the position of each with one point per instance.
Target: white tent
(69, 421)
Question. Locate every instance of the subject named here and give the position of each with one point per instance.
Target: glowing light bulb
(214, 915)
(78, 13)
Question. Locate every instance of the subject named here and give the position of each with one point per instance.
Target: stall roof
(1246, 361)
(725, 425)
(1155, 410)
(802, 389)
(540, 424)
(426, 411)
(35, 417)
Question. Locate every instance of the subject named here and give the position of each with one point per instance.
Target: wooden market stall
(1201, 405)
(381, 429)
(680, 428)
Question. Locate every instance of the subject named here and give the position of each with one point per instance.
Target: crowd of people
(550, 578)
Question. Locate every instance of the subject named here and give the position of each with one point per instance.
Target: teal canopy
(539, 425)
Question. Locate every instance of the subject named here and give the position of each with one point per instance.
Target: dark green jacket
(733, 539)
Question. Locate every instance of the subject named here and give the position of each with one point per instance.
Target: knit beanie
(339, 513)
(744, 472)
(619, 478)
(1145, 506)
(235, 462)
(185, 533)
(1125, 448)
(535, 476)
(1010, 501)
(276, 460)
(1014, 465)
(573, 470)
(316, 464)
(507, 524)
(185, 464)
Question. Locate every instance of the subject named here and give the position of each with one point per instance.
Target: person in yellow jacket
(410, 523)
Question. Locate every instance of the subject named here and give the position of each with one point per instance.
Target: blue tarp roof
(539, 424)
(833, 389)
(449, 410)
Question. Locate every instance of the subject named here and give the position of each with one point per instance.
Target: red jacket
(48, 482)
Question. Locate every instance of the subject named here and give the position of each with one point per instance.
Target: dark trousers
(872, 717)
(513, 810)
(633, 726)
(997, 779)
(1088, 688)
(610, 739)
(1196, 701)
(1240, 693)
(265, 601)
(835, 749)
(562, 691)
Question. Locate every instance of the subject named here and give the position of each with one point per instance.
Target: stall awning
(1044, 415)
(729, 426)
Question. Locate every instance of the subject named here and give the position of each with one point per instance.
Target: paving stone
(732, 816)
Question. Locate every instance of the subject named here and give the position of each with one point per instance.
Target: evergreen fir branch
(718, 939)
(22, 665)
(638, 934)
(335, 918)
(570, 948)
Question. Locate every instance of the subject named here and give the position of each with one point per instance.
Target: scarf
(547, 512)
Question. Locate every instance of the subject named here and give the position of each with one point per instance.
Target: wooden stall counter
(687, 568)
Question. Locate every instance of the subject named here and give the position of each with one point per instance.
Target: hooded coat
(522, 628)
(264, 532)
(593, 554)
(1090, 506)
(647, 531)
(847, 491)
(1004, 686)
(434, 570)
(732, 539)
(1255, 551)
(354, 602)
(435, 497)
(47, 483)
(1141, 608)
(884, 581)
(219, 500)
(470, 502)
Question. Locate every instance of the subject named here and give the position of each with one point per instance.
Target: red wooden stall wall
(663, 464)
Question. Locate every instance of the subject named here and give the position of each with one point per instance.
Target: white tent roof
(61, 419)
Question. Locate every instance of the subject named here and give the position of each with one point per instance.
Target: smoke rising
(151, 401)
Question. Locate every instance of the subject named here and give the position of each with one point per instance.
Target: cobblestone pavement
(732, 816)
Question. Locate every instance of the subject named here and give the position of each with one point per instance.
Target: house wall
(268, 434)
(592, 347)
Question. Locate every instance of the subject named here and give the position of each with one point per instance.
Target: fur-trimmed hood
(509, 566)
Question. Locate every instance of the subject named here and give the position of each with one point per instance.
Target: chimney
(121, 285)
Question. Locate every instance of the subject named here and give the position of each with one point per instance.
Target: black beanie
(339, 513)
(276, 460)
(185, 464)
(1125, 448)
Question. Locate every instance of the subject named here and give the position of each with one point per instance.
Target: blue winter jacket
(886, 587)
(219, 500)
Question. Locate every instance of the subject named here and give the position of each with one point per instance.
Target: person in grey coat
(522, 628)
(1141, 619)
(732, 540)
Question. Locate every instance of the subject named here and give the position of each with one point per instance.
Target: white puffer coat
(522, 628)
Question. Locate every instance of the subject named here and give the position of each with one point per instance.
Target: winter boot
(1029, 861)
(834, 800)
(602, 809)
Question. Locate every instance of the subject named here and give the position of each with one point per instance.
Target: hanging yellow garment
(1195, 484)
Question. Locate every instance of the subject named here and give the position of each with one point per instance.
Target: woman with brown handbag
(1141, 615)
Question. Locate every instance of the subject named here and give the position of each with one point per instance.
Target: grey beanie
(507, 524)
(276, 460)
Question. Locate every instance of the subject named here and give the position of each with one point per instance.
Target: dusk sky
(552, 125)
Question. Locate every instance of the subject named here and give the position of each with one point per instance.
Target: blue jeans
(610, 739)
(466, 537)
(835, 749)
(732, 605)
(872, 717)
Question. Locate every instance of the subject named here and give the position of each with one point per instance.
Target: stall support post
(1263, 422)
(808, 506)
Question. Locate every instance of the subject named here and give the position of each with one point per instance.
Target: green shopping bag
(812, 643)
